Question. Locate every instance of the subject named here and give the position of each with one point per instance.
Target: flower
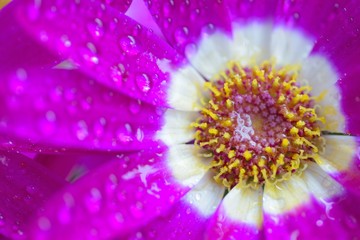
(242, 125)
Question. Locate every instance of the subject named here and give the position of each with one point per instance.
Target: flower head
(218, 119)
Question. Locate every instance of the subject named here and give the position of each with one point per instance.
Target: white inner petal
(285, 196)
(186, 87)
(251, 42)
(176, 128)
(289, 46)
(244, 205)
(205, 196)
(186, 164)
(339, 153)
(211, 55)
(317, 72)
(320, 184)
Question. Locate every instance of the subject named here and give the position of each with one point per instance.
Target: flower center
(258, 125)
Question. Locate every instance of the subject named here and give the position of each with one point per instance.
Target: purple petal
(24, 187)
(239, 216)
(17, 48)
(189, 217)
(305, 15)
(349, 86)
(121, 5)
(117, 198)
(341, 38)
(140, 13)
(186, 23)
(245, 10)
(337, 218)
(119, 52)
(310, 207)
(64, 109)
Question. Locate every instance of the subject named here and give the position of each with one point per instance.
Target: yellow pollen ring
(234, 115)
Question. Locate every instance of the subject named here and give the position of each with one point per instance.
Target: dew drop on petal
(128, 44)
(48, 124)
(44, 223)
(81, 130)
(93, 200)
(143, 82)
(111, 184)
(139, 135)
(135, 106)
(99, 127)
(116, 75)
(2, 220)
(137, 210)
(96, 28)
(181, 34)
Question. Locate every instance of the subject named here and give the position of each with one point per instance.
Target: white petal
(285, 196)
(320, 75)
(176, 128)
(338, 154)
(206, 195)
(244, 205)
(289, 46)
(186, 87)
(186, 164)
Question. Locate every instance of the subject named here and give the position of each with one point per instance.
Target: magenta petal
(336, 218)
(121, 5)
(245, 10)
(25, 185)
(305, 15)
(122, 195)
(17, 48)
(341, 38)
(224, 229)
(350, 101)
(188, 218)
(107, 45)
(185, 23)
(64, 109)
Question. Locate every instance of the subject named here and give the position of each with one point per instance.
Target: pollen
(258, 125)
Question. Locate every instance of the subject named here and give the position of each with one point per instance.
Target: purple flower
(223, 120)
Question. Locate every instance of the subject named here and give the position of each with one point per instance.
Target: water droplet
(2, 220)
(190, 50)
(319, 223)
(139, 135)
(44, 223)
(99, 127)
(96, 28)
(89, 54)
(65, 41)
(81, 130)
(208, 29)
(93, 200)
(181, 34)
(143, 82)
(188, 211)
(111, 184)
(135, 106)
(48, 124)
(116, 75)
(352, 222)
(17, 82)
(116, 219)
(137, 210)
(128, 44)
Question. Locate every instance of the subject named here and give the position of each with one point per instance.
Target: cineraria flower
(233, 119)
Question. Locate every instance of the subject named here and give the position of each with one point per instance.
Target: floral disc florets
(258, 125)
